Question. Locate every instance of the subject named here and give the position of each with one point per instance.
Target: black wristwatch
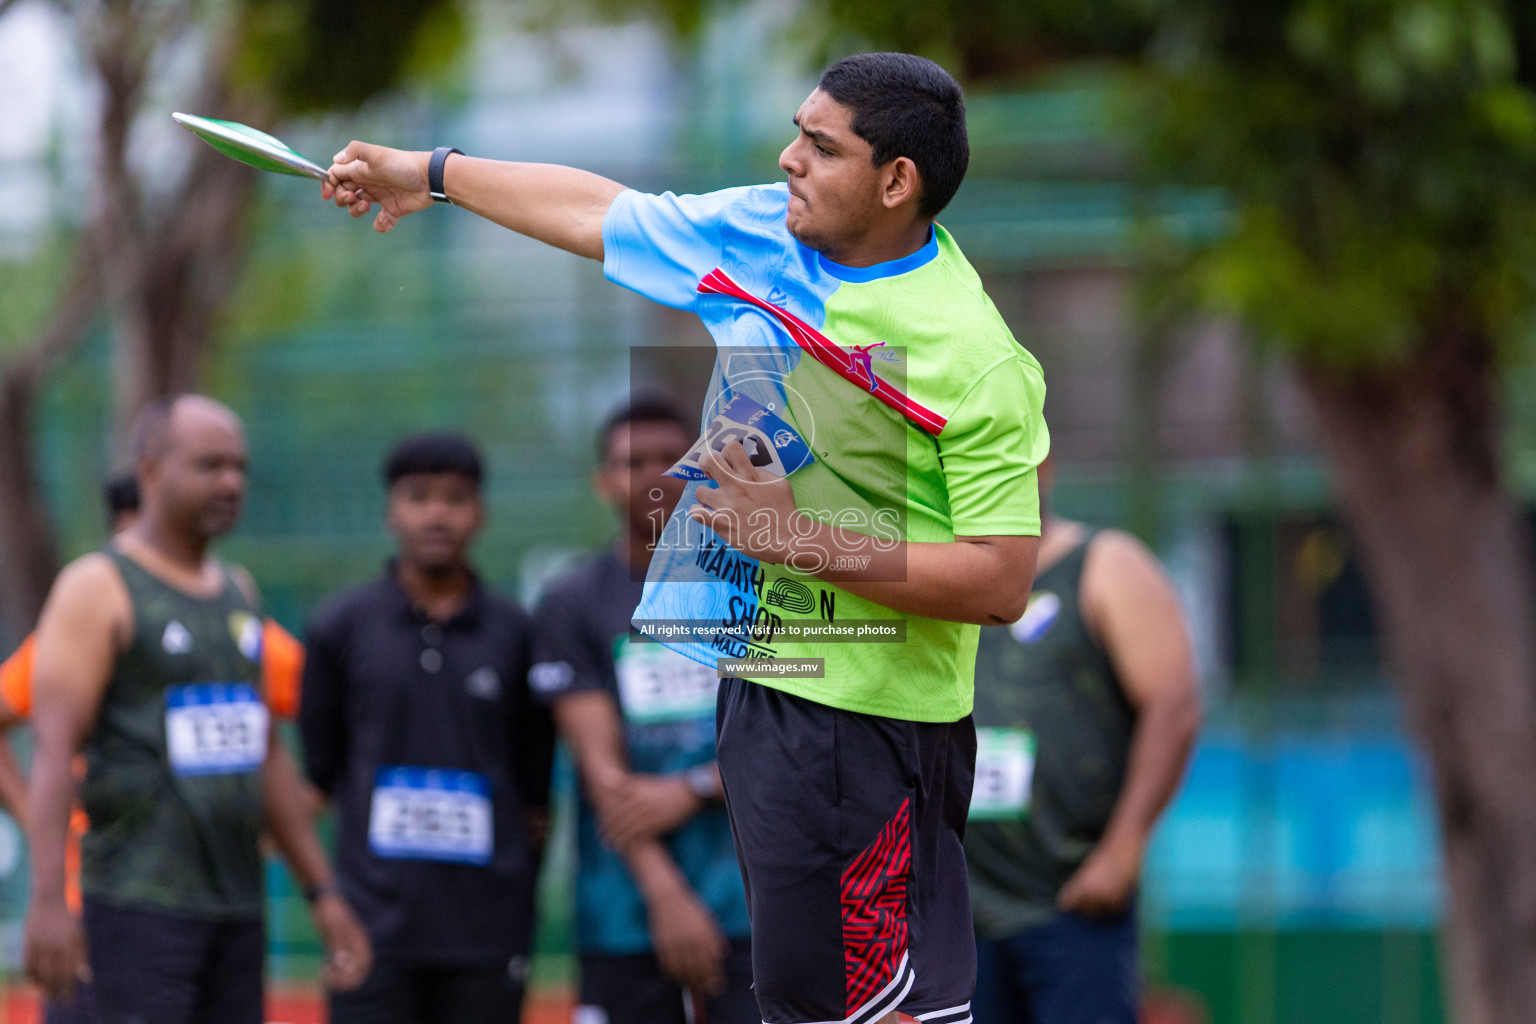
(312, 893)
(435, 172)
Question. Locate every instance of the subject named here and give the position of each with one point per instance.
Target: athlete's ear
(899, 182)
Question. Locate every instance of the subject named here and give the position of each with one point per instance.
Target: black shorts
(409, 993)
(635, 990)
(149, 966)
(848, 828)
(77, 1011)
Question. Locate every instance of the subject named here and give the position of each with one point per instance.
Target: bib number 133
(215, 729)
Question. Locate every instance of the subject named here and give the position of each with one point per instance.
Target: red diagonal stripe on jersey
(875, 911)
(826, 352)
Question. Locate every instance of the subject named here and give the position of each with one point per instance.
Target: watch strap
(435, 172)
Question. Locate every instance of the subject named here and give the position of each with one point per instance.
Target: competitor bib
(660, 685)
(1005, 767)
(215, 728)
(431, 814)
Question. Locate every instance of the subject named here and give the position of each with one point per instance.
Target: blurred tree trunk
(162, 263)
(1416, 454)
(29, 555)
(175, 257)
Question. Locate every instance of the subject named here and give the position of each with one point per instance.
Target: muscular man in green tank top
(148, 656)
(1086, 710)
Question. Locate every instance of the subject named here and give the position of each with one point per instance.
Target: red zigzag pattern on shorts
(875, 910)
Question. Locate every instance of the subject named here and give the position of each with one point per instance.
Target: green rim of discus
(250, 146)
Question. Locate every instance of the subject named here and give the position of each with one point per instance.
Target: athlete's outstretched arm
(85, 622)
(562, 206)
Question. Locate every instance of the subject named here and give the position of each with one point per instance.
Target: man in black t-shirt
(417, 721)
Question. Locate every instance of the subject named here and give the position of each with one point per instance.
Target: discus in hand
(249, 146)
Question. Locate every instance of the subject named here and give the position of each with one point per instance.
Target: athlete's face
(631, 479)
(198, 478)
(836, 193)
(434, 517)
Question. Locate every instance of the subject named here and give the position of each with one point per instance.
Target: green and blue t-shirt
(893, 396)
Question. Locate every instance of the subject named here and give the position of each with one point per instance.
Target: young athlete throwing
(901, 493)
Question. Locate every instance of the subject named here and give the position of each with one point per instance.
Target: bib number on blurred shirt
(659, 685)
(215, 728)
(1005, 768)
(431, 814)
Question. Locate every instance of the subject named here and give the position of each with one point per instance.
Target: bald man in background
(282, 662)
(147, 661)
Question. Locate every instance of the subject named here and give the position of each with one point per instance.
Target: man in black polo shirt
(417, 721)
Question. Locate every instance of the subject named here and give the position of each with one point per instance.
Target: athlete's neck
(179, 552)
(441, 593)
(882, 245)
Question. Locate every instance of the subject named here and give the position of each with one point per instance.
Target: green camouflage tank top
(1053, 736)
(173, 766)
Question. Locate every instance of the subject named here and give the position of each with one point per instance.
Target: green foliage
(310, 55)
(1378, 153)
(996, 39)
(28, 288)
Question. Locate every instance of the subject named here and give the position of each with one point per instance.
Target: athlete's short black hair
(435, 451)
(908, 106)
(655, 408)
(120, 494)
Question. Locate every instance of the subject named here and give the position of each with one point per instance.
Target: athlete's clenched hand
(55, 951)
(753, 511)
(362, 175)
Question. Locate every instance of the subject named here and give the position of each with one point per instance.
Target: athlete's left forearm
(985, 580)
(289, 821)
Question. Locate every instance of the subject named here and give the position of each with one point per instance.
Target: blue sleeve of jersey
(661, 246)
